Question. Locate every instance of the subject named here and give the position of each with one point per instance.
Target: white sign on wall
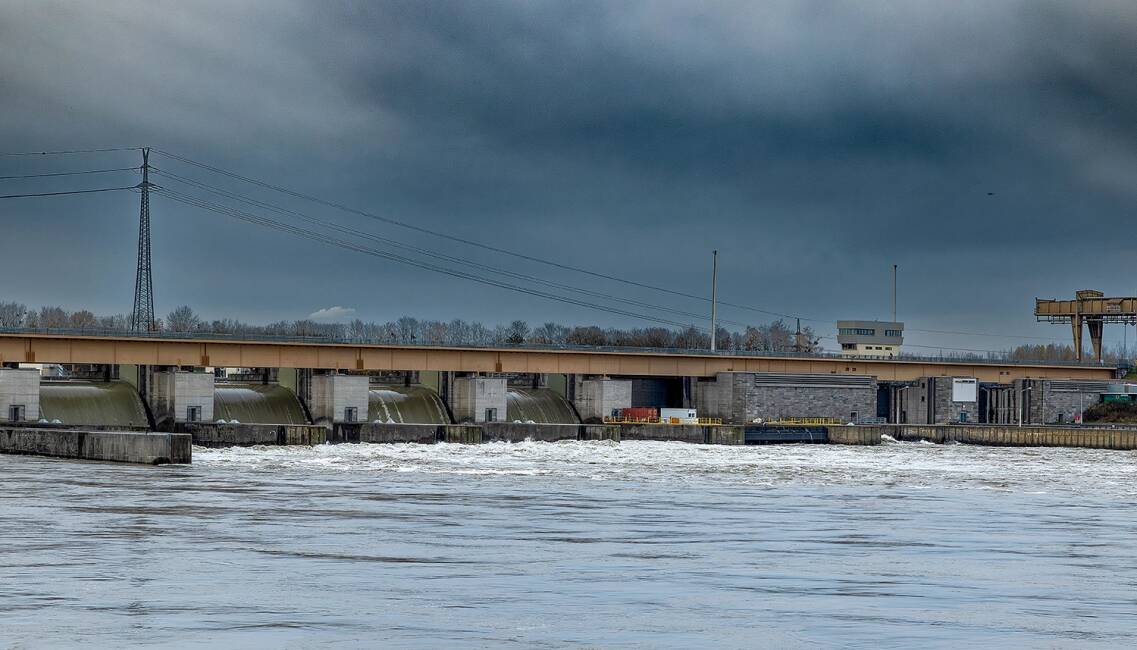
(964, 390)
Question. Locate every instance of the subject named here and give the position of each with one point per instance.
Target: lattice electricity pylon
(143, 317)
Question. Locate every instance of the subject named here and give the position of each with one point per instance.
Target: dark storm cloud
(983, 146)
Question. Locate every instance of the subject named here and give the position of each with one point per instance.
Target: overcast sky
(988, 148)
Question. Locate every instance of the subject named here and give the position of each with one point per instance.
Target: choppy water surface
(574, 544)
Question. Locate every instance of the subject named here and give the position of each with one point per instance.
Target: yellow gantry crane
(1089, 307)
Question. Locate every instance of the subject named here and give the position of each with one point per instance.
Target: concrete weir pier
(113, 446)
(210, 434)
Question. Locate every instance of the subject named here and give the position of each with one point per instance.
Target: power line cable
(78, 173)
(468, 242)
(424, 251)
(319, 237)
(316, 236)
(67, 152)
(402, 224)
(102, 189)
(1001, 336)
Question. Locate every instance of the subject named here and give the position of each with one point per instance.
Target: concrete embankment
(512, 432)
(515, 432)
(208, 434)
(853, 436)
(376, 432)
(692, 433)
(1012, 436)
(600, 432)
(113, 446)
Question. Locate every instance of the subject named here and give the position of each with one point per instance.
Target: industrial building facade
(870, 338)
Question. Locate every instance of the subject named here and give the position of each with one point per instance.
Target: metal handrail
(537, 347)
(805, 421)
(659, 420)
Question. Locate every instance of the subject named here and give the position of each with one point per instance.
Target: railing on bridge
(535, 347)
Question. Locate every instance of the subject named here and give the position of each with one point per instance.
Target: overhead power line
(468, 242)
(67, 152)
(101, 189)
(988, 334)
(320, 237)
(425, 251)
(78, 173)
(316, 236)
(551, 263)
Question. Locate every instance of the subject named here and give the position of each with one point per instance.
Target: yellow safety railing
(805, 421)
(624, 420)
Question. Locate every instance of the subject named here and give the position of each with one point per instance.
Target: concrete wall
(1053, 400)
(1120, 437)
(600, 432)
(212, 434)
(742, 397)
(114, 446)
(19, 387)
(1043, 401)
(333, 394)
(472, 396)
(692, 433)
(928, 400)
(857, 435)
(600, 398)
(510, 432)
(384, 432)
(173, 392)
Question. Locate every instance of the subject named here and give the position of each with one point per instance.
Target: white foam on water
(909, 465)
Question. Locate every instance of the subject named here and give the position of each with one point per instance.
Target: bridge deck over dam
(217, 351)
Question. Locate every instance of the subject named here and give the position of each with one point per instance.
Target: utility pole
(143, 315)
(714, 296)
(894, 267)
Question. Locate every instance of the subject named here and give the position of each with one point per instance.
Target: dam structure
(307, 392)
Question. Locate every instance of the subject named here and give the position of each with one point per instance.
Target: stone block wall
(948, 410)
(742, 397)
(1050, 401)
(928, 400)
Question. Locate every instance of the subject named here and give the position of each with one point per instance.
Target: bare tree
(549, 334)
(53, 318)
(480, 334)
(12, 314)
(83, 320)
(590, 335)
(458, 332)
(434, 332)
(182, 319)
(517, 332)
(772, 337)
(692, 338)
(407, 329)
